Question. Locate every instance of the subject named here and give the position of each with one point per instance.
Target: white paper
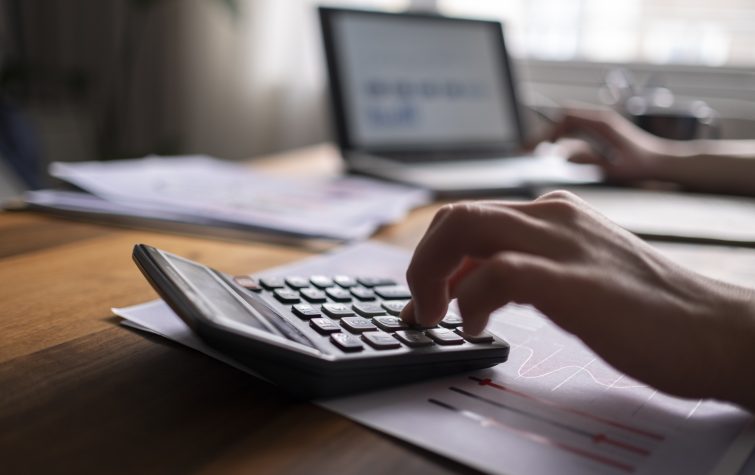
(686, 215)
(342, 208)
(554, 407)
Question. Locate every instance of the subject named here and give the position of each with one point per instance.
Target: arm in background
(724, 166)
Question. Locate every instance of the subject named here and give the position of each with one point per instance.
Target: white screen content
(417, 83)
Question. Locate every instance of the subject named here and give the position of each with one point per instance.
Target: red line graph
(485, 421)
(595, 438)
(619, 425)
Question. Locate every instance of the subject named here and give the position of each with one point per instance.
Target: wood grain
(81, 394)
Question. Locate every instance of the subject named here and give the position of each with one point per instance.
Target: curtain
(231, 78)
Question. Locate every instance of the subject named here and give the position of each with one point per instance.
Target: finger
(586, 159)
(597, 123)
(407, 313)
(468, 231)
(468, 265)
(505, 277)
(574, 147)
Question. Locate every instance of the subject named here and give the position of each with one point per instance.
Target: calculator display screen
(216, 294)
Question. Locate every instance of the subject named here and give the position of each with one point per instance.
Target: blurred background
(93, 79)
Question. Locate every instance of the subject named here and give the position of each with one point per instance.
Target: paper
(554, 407)
(204, 189)
(676, 215)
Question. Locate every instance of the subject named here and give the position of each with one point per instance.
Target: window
(695, 32)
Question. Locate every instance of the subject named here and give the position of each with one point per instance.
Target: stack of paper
(202, 190)
(676, 216)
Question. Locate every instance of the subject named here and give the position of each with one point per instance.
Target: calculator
(315, 336)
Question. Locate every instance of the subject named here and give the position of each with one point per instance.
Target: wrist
(669, 157)
(736, 356)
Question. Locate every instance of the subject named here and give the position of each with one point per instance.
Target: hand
(651, 319)
(605, 138)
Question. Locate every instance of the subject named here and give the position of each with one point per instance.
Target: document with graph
(553, 407)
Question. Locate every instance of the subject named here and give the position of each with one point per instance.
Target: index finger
(467, 230)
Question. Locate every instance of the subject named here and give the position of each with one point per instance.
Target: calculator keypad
(390, 324)
(337, 310)
(444, 336)
(324, 325)
(381, 341)
(321, 281)
(368, 309)
(305, 311)
(313, 295)
(286, 296)
(338, 294)
(357, 324)
(413, 338)
(362, 293)
(393, 307)
(346, 342)
(393, 292)
(360, 314)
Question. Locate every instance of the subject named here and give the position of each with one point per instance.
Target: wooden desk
(81, 394)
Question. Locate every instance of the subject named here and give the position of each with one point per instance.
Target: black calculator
(315, 336)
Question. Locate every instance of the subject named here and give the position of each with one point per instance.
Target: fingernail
(408, 313)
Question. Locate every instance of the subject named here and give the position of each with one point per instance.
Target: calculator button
(368, 309)
(305, 311)
(249, 283)
(338, 294)
(362, 293)
(296, 282)
(444, 336)
(394, 292)
(337, 310)
(286, 296)
(321, 281)
(380, 340)
(313, 295)
(390, 324)
(357, 324)
(451, 320)
(413, 338)
(375, 281)
(346, 342)
(483, 337)
(393, 307)
(345, 281)
(324, 325)
(271, 283)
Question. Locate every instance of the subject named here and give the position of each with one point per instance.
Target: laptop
(431, 101)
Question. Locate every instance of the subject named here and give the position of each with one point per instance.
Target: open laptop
(431, 101)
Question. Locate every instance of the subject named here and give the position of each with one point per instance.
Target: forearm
(725, 166)
(732, 333)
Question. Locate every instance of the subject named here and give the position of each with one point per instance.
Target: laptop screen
(408, 82)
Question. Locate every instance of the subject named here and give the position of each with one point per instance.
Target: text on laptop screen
(420, 82)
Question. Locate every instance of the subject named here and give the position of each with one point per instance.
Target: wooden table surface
(80, 393)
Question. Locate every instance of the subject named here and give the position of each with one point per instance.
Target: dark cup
(672, 126)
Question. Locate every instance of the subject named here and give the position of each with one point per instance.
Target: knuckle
(566, 210)
(505, 263)
(459, 213)
(558, 195)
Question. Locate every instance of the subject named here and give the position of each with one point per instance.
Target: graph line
(596, 438)
(486, 422)
(620, 425)
(523, 373)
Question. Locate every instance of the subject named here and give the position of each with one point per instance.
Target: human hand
(602, 137)
(655, 321)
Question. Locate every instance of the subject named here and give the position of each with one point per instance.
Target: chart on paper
(554, 403)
